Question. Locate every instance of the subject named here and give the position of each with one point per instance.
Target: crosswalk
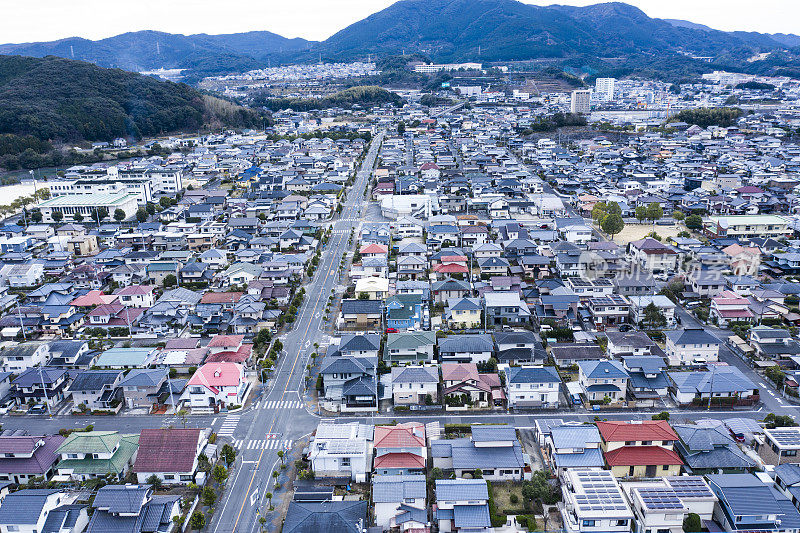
(262, 444)
(229, 425)
(278, 404)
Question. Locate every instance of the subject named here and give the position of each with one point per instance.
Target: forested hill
(53, 100)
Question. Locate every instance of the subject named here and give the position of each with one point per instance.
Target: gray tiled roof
(461, 489)
(387, 489)
(24, 507)
(532, 374)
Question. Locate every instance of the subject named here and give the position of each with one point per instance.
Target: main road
(279, 417)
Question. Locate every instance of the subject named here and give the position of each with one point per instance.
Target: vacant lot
(634, 232)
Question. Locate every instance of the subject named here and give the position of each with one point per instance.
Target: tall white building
(604, 88)
(580, 101)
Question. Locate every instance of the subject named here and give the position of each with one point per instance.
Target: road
(279, 418)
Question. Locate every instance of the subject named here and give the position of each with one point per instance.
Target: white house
(399, 502)
(216, 385)
(23, 356)
(337, 450)
(532, 386)
(664, 304)
(691, 346)
(28, 510)
(593, 502)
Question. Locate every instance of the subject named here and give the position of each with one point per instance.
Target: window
(345, 461)
(665, 467)
(622, 522)
(588, 523)
(790, 453)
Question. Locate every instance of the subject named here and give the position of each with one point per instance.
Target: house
(518, 348)
(404, 312)
(706, 283)
(170, 454)
(743, 260)
(640, 449)
(727, 384)
(24, 457)
(631, 343)
(505, 308)
(42, 510)
(400, 449)
(361, 315)
(462, 505)
(662, 506)
(342, 450)
(710, 450)
(140, 387)
(399, 502)
(71, 354)
(326, 517)
(492, 449)
(609, 311)
(136, 296)
(349, 383)
(449, 288)
(648, 383)
(415, 385)
(603, 381)
(773, 343)
(374, 287)
(463, 385)
(357, 345)
(41, 386)
(463, 313)
(96, 390)
(729, 307)
(691, 346)
(532, 386)
(134, 509)
(569, 354)
(93, 454)
(125, 358)
(593, 501)
(780, 446)
(414, 347)
(217, 386)
(746, 503)
(653, 256)
(664, 305)
(465, 348)
(573, 446)
(22, 356)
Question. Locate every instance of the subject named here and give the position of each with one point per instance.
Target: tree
(653, 316)
(99, 214)
(219, 474)
(209, 496)
(36, 216)
(155, 482)
(170, 280)
(678, 215)
(57, 216)
(401, 128)
(165, 201)
(228, 454)
(612, 224)
(150, 207)
(77, 217)
(692, 523)
(141, 214)
(363, 296)
(119, 215)
(477, 474)
(654, 212)
(197, 521)
(694, 222)
(281, 455)
(641, 213)
(663, 415)
(269, 499)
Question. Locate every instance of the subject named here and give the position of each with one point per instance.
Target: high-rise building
(580, 101)
(604, 88)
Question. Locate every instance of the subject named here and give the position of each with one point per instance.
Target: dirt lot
(633, 232)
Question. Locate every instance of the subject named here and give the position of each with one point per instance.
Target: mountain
(45, 101)
(150, 50)
(590, 39)
(510, 30)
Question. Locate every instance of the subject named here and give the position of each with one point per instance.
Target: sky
(44, 20)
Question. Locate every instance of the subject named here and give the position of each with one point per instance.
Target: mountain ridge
(445, 30)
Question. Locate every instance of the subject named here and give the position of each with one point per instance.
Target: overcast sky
(42, 20)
